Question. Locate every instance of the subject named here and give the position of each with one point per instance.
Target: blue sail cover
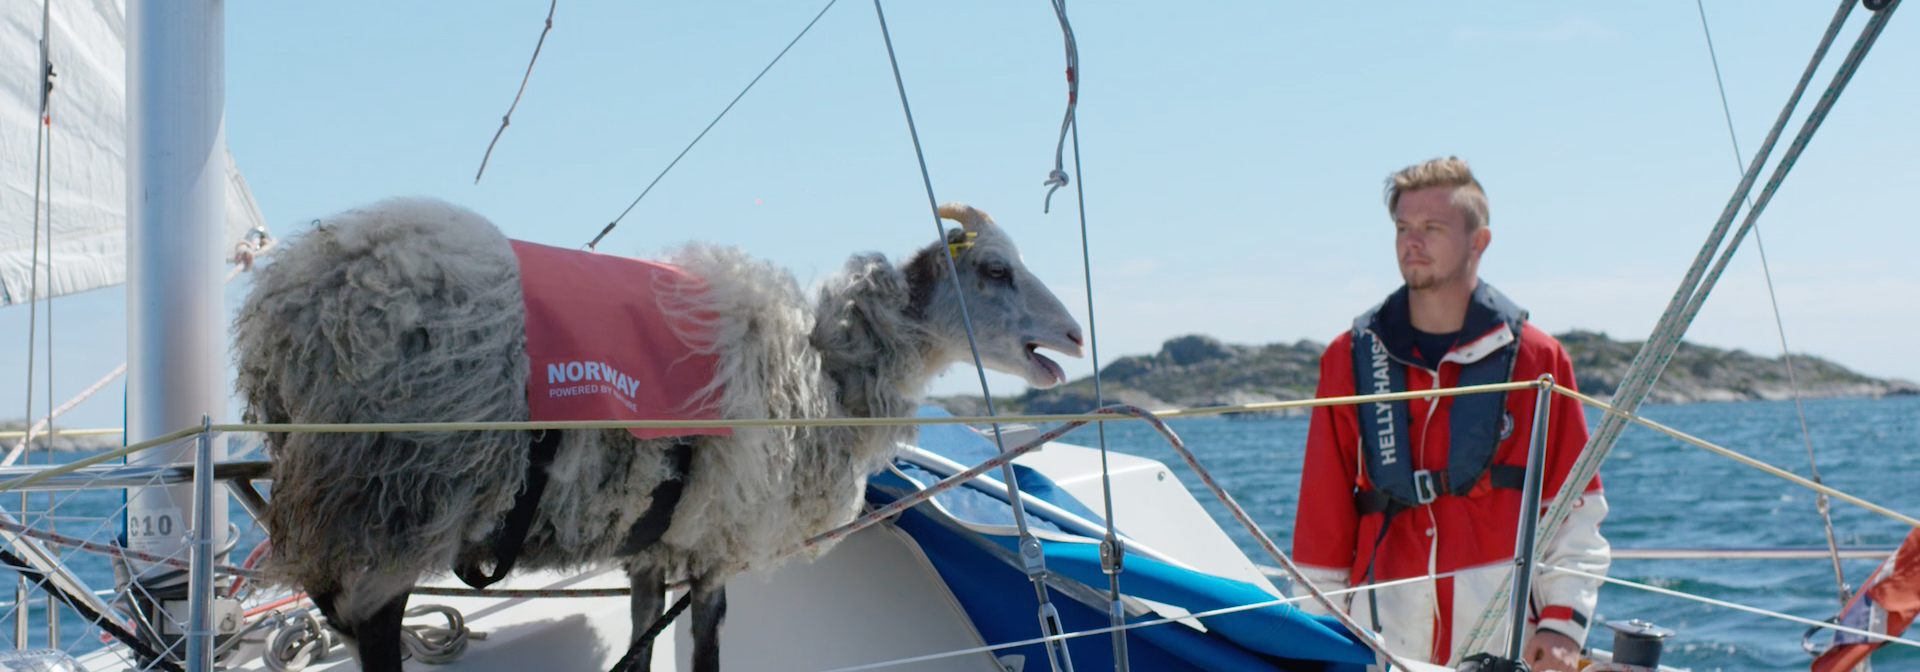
(980, 569)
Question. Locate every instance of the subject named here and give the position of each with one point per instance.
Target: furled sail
(86, 187)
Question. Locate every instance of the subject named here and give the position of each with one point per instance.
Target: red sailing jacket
(1453, 532)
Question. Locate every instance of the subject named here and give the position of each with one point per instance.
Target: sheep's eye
(998, 271)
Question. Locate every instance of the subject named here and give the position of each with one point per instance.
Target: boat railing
(98, 472)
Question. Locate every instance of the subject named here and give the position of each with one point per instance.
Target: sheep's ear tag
(953, 249)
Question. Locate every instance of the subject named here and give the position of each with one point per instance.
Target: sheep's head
(1012, 312)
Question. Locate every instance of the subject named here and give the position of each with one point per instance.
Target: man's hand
(1551, 651)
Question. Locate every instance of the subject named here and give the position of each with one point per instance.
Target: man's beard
(1418, 281)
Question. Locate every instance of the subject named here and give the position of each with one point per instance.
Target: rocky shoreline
(1198, 370)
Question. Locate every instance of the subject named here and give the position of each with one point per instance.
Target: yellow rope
(102, 431)
(83, 463)
(847, 422)
(689, 424)
(1757, 464)
(877, 422)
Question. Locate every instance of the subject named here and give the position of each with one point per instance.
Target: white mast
(176, 199)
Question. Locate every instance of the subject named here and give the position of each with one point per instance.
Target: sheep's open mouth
(1047, 365)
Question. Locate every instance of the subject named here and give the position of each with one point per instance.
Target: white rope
(1058, 177)
(1734, 605)
(1820, 502)
(26, 437)
(257, 244)
(436, 645)
(1686, 303)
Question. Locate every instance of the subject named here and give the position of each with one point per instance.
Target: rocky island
(1200, 370)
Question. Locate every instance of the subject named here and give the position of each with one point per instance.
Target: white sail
(87, 190)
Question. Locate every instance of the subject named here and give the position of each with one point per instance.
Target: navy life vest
(1382, 345)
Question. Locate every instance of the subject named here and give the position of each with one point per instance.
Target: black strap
(1509, 476)
(653, 523)
(102, 621)
(640, 644)
(512, 535)
(1371, 501)
(1366, 578)
(1375, 500)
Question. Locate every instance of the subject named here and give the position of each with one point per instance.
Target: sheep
(411, 310)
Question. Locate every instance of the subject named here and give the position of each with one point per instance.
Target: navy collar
(1487, 309)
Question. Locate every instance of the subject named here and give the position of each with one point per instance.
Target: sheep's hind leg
(709, 610)
(649, 593)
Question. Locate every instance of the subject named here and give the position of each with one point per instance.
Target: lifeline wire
(1659, 348)
(1035, 567)
(1140, 624)
(508, 117)
(116, 551)
(1731, 605)
(1069, 422)
(1743, 459)
(1173, 440)
(710, 125)
(925, 493)
(1806, 437)
(353, 428)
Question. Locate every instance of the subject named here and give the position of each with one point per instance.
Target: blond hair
(1452, 172)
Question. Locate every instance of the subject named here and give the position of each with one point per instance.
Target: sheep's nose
(1074, 335)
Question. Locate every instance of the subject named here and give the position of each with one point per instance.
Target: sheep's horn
(969, 218)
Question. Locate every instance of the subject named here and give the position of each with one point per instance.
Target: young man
(1430, 487)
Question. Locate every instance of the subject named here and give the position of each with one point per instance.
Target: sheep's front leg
(367, 609)
(709, 610)
(649, 590)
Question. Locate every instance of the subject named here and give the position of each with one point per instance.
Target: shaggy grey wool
(410, 310)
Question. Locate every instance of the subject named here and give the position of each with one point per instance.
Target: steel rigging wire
(1699, 281)
(1820, 502)
(1031, 554)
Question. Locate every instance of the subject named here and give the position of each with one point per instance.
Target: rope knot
(1056, 179)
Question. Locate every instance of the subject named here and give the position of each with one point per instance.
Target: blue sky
(1234, 152)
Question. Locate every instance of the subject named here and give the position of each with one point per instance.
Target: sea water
(1663, 493)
